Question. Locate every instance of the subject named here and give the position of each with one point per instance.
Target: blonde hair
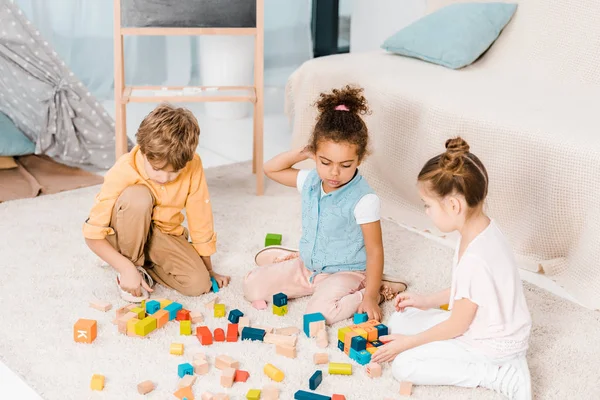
(169, 136)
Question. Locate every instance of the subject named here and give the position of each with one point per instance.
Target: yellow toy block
(176, 349)
(97, 382)
(273, 372)
(164, 303)
(131, 326)
(145, 326)
(342, 333)
(361, 332)
(281, 311)
(185, 327)
(445, 307)
(340, 369)
(140, 312)
(253, 394)
(372, 350)
(219, 310)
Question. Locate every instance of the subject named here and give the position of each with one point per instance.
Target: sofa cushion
(454, 36)
(12, 141)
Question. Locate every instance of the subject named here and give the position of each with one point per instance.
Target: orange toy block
(322, 340)
(85, 330)
(270, 392)
(223, 361)
(97, 382)
(289, 331)
(321, 358)
(131, 326)
(200, 367)
(196, 317)
(187, 380)
(204, 335)
(183, 315)
(101, 305)
(315, 327)
(372, 333)
(348, 339)
(405, 388)
(241, 376)
(373, 322)
(145, 387)
(219, 335)
(232, 332)
(185, 392)
(242, 323)
(373, 370)
(286, 351)
(227, 377)
(162, 318)
(338, 397)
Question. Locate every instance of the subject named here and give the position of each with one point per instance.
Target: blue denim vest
(331, 240)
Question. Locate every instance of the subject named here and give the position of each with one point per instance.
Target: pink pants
(336, 296)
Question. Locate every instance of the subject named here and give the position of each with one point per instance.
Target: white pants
(448, 362)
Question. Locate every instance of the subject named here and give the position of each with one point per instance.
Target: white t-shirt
(367, 209)
(488, 275)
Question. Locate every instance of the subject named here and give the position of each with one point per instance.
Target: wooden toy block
(196, 317)
(122, 322)
(211, 304)
(253, 334)
(315, 380)
(200, 367)
(219, 310)
(348, 339)
(224, 361)
(185, 327)
(322, 340)
(241, 376)
(215, 284)
(289, 331)
(122, 311)
(273, 239)
(372, 350)
(183, 315)
(162, 318)
(172, 309)
(286, 351)
(131, 326)
(273, 372)
(308, 319)
(270, 392)
(405, 388)
(187, 380)
(281, 311)
(185, 369)
(176, 349)
(208, 396)
(361, 332)
(360, 318)
(219, 335)
(280, 299)
(382, 330)
(243, 322)
(373, 322)
(373, 370)
(85, 330)
(376, 343)
(221, 396)
(204, 335)
(200, 357)
(445, 307)
(164, 302)
(338, 397)
(303, 395)
(372, 333)
(145, 387)
(259, 304)
(358, 343)
(140, 312)
(321, 358)
(232, 333)
(145, 326)
(184, 393)
(342, 333)
(152, 306)
(284, 340)
(267, 329)
(227, 377)
(340, 369)
(253, 394)
(97, 382)
(235, 315)
(315, 327)
(101, 305)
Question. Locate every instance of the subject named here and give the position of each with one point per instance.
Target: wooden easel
(125, 94)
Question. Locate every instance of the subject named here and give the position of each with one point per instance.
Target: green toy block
(219, 310)
(273, 239)
(185, 327)
(281, 311)
(145, 326)
(253, 394)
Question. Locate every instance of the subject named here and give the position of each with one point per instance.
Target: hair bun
(350, 98)
(452, 160)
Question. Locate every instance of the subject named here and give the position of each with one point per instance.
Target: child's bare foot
(390, 287)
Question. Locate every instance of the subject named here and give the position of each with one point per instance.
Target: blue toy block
(280, 299)
(215, 285)
(358, 343)
(302, 395)
(185, 369)
(376, 343)
(364, 357)
(152, 306)
(315, 380)
(359, 318)
(308, 318)
(382, 330)
(353, 354)
(340, 345)
(253, 334)
(172, 309)
(234, 316)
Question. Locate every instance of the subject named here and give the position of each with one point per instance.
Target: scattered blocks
(274, 373)
(302, 395)
(145, 387)
(259, 304)
(286, 351)
(101, 305)
(235, 315)
(152, 306)
(232, 332)
(85, 330)
(204, 335)
(196, 317)
(280, 299)
(340, 369)
(373, 370)
(315, 380)
(321, 358)
(185, 327)
(145, 326)
(359, 318)
(176, 349)
(97, 382)
(227, 377)
(183, 315)
(241, 376)
(162, 318)
(185, 369)
(405, 388)
(273, 239)
(281, 311)
(253, 394)
(200, 367)
(215, 284)
(253, 334)
(224, 361)
(184, 393)
(172, 308)
(219, 310)
(219, 335)
(308, 318)
(187, 380)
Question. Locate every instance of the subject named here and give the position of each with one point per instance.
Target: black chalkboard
(189, 13)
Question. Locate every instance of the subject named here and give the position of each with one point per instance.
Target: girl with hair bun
(483, 339)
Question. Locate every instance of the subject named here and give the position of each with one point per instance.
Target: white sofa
(530, 109)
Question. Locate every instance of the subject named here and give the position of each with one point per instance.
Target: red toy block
(241, 376)
(338, 397)
(183, 315)
(204, 336)
(219, 335)
(232, 332)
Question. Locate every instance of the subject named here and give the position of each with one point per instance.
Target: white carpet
(48, 276)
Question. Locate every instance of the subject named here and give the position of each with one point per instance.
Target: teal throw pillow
(12, 141)
(454, 36)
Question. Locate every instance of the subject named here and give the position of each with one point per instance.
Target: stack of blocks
(360, 340)
(280, 304)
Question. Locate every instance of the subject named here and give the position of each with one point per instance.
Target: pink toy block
(373, 370)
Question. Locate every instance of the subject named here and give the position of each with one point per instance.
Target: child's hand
(131, 281)
(222, 280)
(306, 153)
(371, 307)
(394, 345)
(404, 300)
